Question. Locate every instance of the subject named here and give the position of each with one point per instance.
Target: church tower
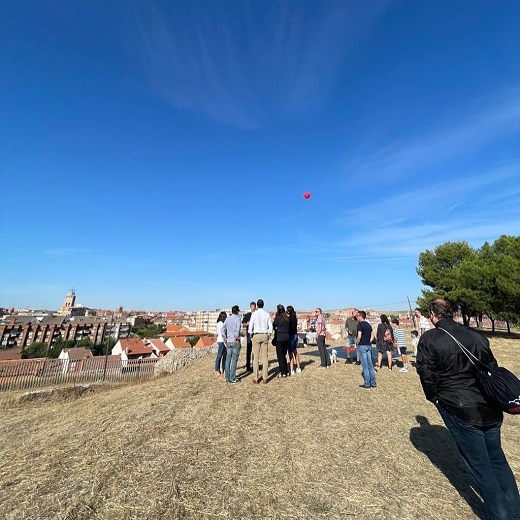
(68, 304)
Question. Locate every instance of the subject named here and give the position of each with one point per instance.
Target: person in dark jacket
(281, 326)
(294, 357)
(249, 340)
(448, 380)
(384, 347)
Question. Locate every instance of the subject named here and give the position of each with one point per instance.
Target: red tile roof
(77, 353)
(135, 347)
(187, 333)
(180, 343)
(175, 329)
(11, 353)
(205, 341)
(159, 345)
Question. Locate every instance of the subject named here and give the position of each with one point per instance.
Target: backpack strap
(475, 361)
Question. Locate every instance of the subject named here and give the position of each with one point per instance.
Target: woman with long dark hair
(281, 327)
(220, 360)
(383, 335)
(294, 357)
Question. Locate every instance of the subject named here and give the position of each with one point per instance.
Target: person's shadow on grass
(437, 444)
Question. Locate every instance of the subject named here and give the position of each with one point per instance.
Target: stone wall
(181, 357)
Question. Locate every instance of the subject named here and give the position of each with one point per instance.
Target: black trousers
(324, 355)
(249, 349)
(281, 355)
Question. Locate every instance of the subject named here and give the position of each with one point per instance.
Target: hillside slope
(189, 446)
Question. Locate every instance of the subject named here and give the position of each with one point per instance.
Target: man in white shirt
(424, 322)
(260, 328)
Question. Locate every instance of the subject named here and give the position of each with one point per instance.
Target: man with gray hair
(321, 332)
(351, 330)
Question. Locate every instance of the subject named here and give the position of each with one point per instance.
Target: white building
(207, 320)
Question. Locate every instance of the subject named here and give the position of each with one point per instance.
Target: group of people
(448, 378)
(387, 337)
(260, 330)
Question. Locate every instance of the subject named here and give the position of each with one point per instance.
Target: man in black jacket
(448, 380)
(249, 341)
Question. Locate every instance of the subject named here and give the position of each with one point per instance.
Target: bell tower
(68, 304)
(70, 299)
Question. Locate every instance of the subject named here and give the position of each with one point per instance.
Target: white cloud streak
(498, 119)
(237, 65)
(410, 221)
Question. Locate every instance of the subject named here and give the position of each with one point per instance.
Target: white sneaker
(293, 373)
(403, 369)
(298, 370)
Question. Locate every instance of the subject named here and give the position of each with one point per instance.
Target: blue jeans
(482, 452)
(365, 356)
(351, 342)
(233, 350)
(221, 357)
(293, 343)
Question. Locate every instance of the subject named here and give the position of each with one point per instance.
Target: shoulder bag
(499, 386)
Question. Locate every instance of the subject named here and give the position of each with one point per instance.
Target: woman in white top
(220, 360)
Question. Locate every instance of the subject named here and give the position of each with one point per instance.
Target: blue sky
(154, 155)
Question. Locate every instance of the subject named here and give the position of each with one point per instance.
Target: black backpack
(499, 386)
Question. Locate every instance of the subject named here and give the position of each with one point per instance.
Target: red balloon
(307, 195)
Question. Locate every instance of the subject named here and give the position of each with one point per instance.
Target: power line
(375, 306)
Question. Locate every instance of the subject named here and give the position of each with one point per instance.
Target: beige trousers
(260, 344)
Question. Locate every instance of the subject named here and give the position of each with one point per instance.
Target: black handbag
(499, 386)
(273, 341)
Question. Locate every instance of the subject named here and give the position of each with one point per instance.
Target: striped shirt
(399, 337)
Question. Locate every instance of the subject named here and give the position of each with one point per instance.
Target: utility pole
(412, 314)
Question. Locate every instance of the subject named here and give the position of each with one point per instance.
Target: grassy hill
(189, 446)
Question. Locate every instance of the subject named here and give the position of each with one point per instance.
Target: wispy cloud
(242, 62)
(482, 122)
(410, 221)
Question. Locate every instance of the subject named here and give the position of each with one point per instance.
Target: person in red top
(320, 339)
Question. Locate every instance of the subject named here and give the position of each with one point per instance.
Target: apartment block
(21, 331)
(207, 320)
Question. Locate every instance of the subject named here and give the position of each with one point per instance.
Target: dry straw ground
(189, 446)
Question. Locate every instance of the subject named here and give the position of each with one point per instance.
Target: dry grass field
(188, 446)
